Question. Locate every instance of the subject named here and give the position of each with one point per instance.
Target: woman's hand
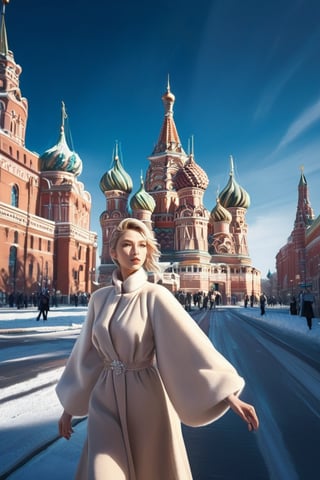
(65, 428)
(244, 410)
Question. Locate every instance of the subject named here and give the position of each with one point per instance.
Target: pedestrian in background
(43, 305)
(263, 300)
(293, 306)
(307, 300)
(140, 366)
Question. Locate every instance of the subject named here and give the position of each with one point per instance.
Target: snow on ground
(32, 416)
(29, 411)
(60, 318)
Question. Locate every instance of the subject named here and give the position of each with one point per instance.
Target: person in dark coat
(307, 300)
(43, 305)
(293, 306)
(263, 300)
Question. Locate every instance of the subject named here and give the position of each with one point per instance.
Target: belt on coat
(118, 367)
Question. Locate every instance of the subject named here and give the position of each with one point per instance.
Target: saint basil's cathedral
(200, 250)
(45, 210)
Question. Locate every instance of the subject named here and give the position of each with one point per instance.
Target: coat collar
(132, 283)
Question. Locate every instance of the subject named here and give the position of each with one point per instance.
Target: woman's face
(130, 252)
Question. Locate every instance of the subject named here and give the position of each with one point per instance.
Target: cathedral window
(13, 261)
(14, 196)
(30, 271)
(2, 109)
(46, 270)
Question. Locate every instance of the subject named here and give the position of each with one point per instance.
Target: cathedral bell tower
(167, 158)
(191, 217)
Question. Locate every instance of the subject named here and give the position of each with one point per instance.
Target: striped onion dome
(142, 200)
(60, 157)
(233, 195)
(220, 214)
(116, 178)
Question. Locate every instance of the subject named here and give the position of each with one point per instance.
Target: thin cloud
(274, 90)
(306, 120)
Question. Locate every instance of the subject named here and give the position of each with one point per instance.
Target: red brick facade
(298, 261)
(45, 241)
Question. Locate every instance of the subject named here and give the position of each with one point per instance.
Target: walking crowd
(202, 300)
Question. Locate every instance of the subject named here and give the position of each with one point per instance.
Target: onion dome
(191, 174)
(60, 157)
(116, 178)
(233, 195)
(142, 200)
(220, 214)
(168, 98)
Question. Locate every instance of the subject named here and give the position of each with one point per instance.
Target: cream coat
(167, 372)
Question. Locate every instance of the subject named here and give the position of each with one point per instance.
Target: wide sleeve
(196, 376)
(82, 370)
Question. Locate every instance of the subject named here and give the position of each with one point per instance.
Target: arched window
(14, 196)
(30, 270)
(13, 261)
(2, 109)
(16, 237)
(46, 269)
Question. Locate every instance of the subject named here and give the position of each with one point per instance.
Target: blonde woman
(139, 368)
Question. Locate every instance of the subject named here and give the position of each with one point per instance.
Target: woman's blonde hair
(153, 252)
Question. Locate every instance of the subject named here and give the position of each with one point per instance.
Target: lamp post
(252, 278)
(252, 298)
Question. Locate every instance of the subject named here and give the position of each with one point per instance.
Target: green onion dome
(220, 214)
(60, 158)
(116, 178)
(233, 195)
(142, 200)
(191, 175)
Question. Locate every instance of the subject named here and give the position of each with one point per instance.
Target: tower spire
(169, 138)
(192, 145)
(63, 115)
(3, 32)
(231, 166)
(116, 150)
(305, 214)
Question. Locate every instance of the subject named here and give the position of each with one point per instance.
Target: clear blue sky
(245, 73)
